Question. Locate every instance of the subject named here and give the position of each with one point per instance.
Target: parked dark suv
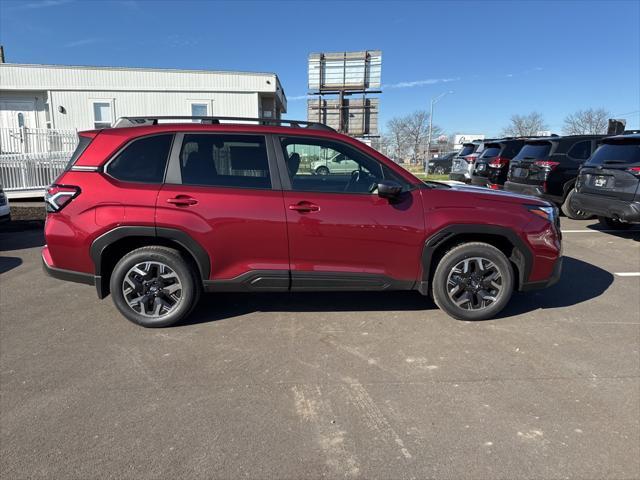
(492, 166)
(154, 213)
(441, 165)
(609, 182)
(547, 167)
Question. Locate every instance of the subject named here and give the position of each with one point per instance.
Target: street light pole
(433, 102)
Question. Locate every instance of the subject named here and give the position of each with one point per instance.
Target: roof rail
(153, 120)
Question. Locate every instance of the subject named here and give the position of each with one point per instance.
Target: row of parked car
(585, 175)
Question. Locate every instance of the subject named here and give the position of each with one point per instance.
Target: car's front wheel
(154, 286)
(473, 281)
(322, 171)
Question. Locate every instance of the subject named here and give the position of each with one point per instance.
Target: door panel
(222, 195)
(353, 233)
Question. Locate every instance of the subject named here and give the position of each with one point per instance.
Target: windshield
(467, 149)
(534, 151)
(622, 153)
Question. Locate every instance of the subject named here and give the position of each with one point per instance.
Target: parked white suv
(5, 212)
(339, 163)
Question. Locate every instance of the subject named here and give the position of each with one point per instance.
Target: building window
(199, 110)
(47, 114)
(102, 115)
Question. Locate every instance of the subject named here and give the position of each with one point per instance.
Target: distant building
(67, 97)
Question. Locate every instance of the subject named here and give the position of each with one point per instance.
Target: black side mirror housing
(389, 189)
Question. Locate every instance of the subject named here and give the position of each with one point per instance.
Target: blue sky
(499, 57)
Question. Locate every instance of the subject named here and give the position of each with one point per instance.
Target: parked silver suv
(462, 166)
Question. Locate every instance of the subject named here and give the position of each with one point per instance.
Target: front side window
(143, 160)
(581, 150)
(238, 161)
(325, 166)
(102, 115)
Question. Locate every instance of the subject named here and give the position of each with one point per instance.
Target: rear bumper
(460, 177)
(479, 181)
(62, 274)
(534, 190)
(607, 207)
(552, 280)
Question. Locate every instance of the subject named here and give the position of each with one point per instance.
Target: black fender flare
(178, 236)
(521, 255)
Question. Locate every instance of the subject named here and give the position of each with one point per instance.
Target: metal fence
(31, 171)
(32, 158)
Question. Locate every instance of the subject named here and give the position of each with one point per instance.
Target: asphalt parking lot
(325, 385)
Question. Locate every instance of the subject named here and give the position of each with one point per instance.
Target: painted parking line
(600, 231)
(627, 274)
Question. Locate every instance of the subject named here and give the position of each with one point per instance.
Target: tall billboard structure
(347, 79)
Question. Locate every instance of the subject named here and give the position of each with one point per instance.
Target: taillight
(499, 162)
(634, 171)
(58, 196)
(470, 158)
(546, 164)
(493, 186)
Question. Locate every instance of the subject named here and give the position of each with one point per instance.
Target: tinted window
(326, 166)
(534, 151)
(142, 160)
(225, 161)
(467, 150)
(491, 151)
(83, 143)
(616, 153)
(581, 150)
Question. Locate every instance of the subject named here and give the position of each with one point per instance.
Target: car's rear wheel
(613, 223)
(439, 170)
(473, 281)
(570, 211)
(322, 171)
(154, 286)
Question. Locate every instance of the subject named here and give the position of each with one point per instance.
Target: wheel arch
(505, 239)
(109, 247)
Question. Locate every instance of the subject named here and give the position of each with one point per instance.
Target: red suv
(155, 213)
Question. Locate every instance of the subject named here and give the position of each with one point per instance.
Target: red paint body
(243, 230)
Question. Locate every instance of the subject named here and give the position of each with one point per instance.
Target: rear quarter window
(580, 150)
(143, 160)
(83, 143)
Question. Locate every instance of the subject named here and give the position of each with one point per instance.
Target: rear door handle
(304, 207)
(182, 200)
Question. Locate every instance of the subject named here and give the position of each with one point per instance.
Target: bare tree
(590, 121)
(524, 125)
(408, 135)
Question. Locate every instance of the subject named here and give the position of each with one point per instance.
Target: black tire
(322, 171)
(179, 268)
(570, 211)
(472, 251)
(439, 170)
(613, 224)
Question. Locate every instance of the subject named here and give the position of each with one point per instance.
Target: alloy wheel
(152, 289)
(474, 283)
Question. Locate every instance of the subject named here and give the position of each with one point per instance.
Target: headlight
(548, 213)
(430, 163)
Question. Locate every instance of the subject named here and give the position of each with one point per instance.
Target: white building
(66, 97)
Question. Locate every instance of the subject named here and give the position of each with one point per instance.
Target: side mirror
(389, 189)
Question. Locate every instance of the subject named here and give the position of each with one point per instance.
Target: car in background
(5, 211)
(335, 164)
(492, 166)
(547, 167)
(609, 183)
(462, 164)
(441, 165)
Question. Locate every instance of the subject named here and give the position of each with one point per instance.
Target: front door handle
(304, 207)
(182, 200)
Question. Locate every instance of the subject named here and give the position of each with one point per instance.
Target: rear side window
(143, 160)
(83, 143)
(225, 161)
(467, 150)
(534, 151)
(580, 150)
(616, 153)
